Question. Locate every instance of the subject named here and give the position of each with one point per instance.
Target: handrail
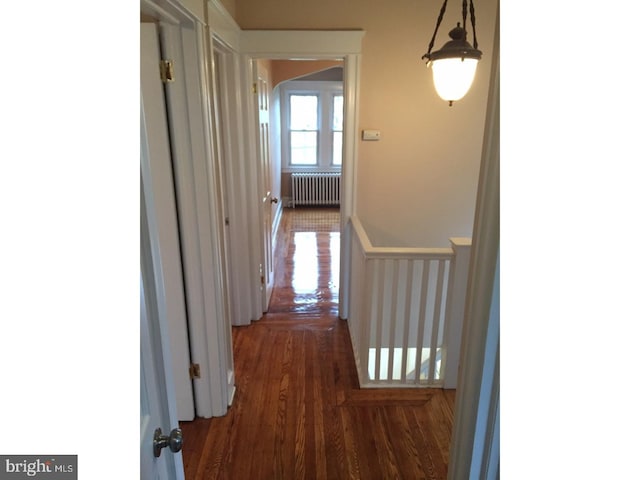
(441, 253)
(403, 302)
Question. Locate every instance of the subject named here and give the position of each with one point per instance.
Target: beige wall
(417, 185)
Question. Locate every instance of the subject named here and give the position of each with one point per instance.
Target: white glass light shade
(453, 77)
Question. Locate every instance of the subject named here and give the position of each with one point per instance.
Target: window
(312, 126)
(303, 130)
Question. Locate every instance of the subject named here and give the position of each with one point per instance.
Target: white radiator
(315, 188)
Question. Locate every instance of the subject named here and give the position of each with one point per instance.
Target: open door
(261, 82)
(158, 417)
(159, 188)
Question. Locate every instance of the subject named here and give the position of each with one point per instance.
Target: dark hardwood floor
(298, 411)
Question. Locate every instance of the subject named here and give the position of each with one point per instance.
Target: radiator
(315, 188)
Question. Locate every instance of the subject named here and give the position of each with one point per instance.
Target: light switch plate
(371, 135)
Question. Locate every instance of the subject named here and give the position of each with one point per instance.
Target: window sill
(310, 169)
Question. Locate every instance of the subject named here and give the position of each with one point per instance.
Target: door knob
(173, 441)
(274, 200)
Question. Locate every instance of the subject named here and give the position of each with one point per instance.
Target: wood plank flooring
(298, 412)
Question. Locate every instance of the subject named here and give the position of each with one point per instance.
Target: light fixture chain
(433, 39)
(464, 15)
(473, 24)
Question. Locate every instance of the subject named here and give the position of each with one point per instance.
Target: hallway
(307, 263)
(298, 412)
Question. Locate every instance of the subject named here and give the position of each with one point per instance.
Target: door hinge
(194, 370)
(255, 88)
(166, 71)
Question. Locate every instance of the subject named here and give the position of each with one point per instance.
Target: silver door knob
(173, 441)
(274, 200)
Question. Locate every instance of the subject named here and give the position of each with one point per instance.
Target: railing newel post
(456, 296)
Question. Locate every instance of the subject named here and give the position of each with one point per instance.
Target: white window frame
(325, 90)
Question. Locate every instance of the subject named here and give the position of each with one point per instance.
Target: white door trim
(230, 136)
(222, 84)
(223, 27)
(253, 198)
(348, 195)
(312, 44)
(337, 45)
(241, 173)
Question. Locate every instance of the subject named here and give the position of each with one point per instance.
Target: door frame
(222, 83)
(224, 35)
(242, 174)
(201, 213)
(311, 45)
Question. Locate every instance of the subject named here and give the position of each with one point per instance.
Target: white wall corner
(222, 25)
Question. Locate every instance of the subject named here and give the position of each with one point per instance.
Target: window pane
(304, 148)
(337, 148)
(304, 112)
(337, 112)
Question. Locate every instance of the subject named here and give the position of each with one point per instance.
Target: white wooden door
(264, 146)
(157, 406)
(159, 292)
(160, 184)
(151, 401)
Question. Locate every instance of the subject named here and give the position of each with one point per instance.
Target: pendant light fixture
(454, 65)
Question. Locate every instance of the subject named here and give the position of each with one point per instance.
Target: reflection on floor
(298, 411)
(307, 263)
